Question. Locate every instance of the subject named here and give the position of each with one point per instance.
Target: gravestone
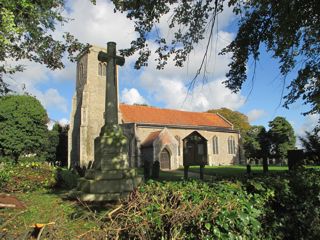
(295, 159)
(111, 177)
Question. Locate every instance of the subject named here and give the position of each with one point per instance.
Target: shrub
(66, 179)
(26, 176)
(190, 210)
(295, 211)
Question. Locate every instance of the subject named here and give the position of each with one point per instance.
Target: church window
(231, 145)
(215, 145)
(178, 139)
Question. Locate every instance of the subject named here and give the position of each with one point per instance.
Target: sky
(260, 98)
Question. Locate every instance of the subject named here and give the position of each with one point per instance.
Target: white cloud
(50, 124)
(132, 96)
(256, 114)
(174, 94)
(51, 98)
(29, 80)
(63, 122)
(308, 125)
(98, 24)
(170, 86)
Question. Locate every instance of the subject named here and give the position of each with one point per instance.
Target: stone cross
(111, 103)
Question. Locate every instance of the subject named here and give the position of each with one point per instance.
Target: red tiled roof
(153, 115)
(151, 137)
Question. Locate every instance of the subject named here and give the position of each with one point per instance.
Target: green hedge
(276, 206)
(191, 210)
(294, 211)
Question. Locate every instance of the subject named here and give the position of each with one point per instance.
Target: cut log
(3, 205)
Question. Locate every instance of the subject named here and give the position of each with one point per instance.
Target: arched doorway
(194, 150)
(165, 159)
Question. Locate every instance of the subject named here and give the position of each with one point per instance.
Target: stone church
(172, 137)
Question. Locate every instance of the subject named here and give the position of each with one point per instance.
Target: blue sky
(167, 88)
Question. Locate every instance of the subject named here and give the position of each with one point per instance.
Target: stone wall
(222, 158)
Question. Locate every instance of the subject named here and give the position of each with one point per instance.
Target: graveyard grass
(236, 170)
(67, 219)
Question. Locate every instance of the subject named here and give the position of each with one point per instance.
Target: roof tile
(153, 115)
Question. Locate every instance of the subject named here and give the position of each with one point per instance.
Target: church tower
(88, 107)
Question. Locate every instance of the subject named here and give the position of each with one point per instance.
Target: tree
(288, 29)
(62, 148)
(252, 144)
(238, 119)
(282, 138)
(57, 147)
(23, 128)
(26, 33)
(311, 144)
(52, 144)
(256, 145)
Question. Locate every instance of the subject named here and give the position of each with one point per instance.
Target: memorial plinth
(110, 178)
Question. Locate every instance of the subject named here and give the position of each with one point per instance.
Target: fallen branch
(7, 205)
(113, 211)
(81, 235)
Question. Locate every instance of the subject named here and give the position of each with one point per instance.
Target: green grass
(235, 170)
(70, 218)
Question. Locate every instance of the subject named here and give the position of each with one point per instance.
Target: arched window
(100, 66)
(231, 145)
(165, 159)
(215, 145)
(178, 139)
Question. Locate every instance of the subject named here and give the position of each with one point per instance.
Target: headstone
(147, 170)
(201, 172)
(295, 159)
(111, 177)
(248, 169)
(156, 170)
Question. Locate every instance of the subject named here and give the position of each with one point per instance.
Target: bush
(66, 179)
(190, 210)
(294, 212)
(26, 176)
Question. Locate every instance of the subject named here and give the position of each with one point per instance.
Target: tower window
(102, 67)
